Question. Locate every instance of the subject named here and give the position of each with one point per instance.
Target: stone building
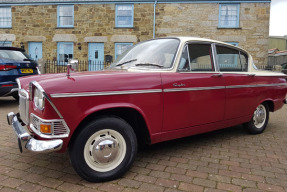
(90, 29)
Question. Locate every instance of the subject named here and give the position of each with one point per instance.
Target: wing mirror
(72, 66)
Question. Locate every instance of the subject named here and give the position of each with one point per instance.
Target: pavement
(224, 160)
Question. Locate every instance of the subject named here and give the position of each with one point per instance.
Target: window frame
(58, 16)
(7, 26)
(116, 49)
(116, 16)
(240, 52)
(58, 52)
(237, 25)
(212, 58)
(214, 55)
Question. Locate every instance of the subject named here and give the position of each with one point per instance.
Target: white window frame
(59, 16)
(224, 18)
(118, 6)
(61, 50)
(7, 17)
(119, 44)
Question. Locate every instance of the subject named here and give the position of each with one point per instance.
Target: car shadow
(201, 140)
(8, 102)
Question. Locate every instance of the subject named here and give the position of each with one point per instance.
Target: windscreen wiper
(120, 64)
(149, 64)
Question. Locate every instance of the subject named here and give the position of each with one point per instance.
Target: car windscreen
(158, 53)
(14, 55)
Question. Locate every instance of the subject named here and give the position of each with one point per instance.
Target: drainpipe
(154, 6)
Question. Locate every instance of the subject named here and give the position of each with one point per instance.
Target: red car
(159, 90)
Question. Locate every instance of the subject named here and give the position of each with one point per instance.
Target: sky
(278, 15)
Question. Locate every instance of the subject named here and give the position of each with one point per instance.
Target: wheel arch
(128, 114)
(270, 104)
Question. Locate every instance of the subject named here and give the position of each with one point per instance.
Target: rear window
(14, 55)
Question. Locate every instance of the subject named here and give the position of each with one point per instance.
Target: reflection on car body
(159, 90)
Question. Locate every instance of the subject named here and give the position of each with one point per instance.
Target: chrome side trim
(87, 94)
(259, 85)
(193, 89)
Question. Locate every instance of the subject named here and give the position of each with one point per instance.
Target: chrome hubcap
(259, 116)
(105, 150)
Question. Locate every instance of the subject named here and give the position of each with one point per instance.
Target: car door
(195, 95)
(241, 95)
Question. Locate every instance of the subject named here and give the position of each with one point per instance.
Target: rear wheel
(104, 149)
(259, 120)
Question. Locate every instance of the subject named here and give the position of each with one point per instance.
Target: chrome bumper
(26, 140)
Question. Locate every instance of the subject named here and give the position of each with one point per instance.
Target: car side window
(231, 60)
(184, 64)
(198, 58)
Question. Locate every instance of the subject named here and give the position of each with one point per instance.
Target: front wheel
(104, 149)
(259, 120)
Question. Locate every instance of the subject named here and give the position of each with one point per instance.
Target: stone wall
(96, 23)
(201, 20)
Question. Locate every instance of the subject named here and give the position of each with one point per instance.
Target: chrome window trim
(64, 95)
(50, 121)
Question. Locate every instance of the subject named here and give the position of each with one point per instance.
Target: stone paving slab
(224, 160)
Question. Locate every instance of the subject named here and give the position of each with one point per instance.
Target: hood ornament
(72, 66)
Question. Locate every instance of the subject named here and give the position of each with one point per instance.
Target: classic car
(159, 90)
(14, 63)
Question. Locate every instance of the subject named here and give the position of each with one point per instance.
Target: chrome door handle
(251, 75)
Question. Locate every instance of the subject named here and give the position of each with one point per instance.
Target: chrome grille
(59, 127)
(24, 105)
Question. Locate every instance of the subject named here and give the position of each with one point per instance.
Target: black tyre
(104, 149)
(259, 120)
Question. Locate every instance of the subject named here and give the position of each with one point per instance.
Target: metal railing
(51, 66)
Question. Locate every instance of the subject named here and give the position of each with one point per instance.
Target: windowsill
(124, 27)
(5, 27)
(65, 27)
(229, 28)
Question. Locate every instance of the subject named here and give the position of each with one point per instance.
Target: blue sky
(278, 15)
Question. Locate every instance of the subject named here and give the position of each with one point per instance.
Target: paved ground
(225, 160)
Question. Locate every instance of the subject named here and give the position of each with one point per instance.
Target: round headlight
(39, 99)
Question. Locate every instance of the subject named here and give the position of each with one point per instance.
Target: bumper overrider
(30, 143)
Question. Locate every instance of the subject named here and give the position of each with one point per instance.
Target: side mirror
(72, 66)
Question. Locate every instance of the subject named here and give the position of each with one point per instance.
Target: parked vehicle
(284, 68)
(14, 63)
(159, 90)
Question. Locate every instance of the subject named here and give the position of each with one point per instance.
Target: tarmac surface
(224, 160)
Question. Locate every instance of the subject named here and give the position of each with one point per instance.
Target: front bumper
(30, 143)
